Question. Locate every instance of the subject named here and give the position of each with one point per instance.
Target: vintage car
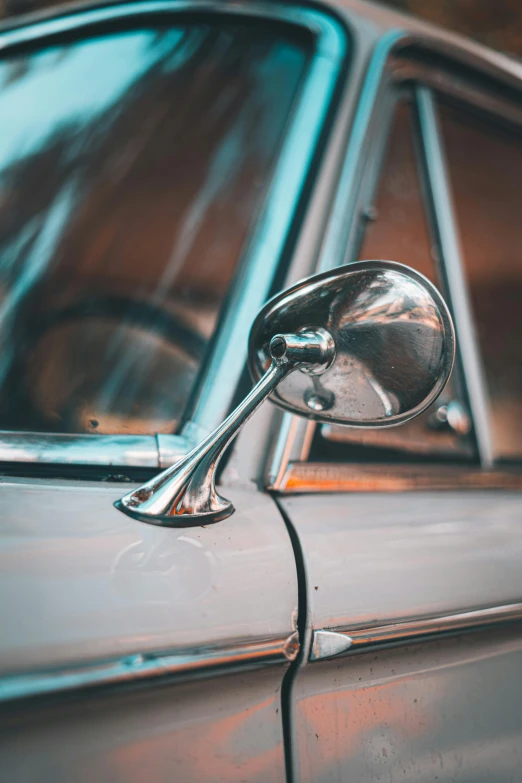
(194, 194)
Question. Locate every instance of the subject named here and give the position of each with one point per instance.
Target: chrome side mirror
(369, 344)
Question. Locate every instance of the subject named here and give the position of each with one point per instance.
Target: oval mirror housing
(393, 339)
(370, 344)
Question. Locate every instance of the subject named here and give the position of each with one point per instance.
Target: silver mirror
(392, 344)
(369, 344)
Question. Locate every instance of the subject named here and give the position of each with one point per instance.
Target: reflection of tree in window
(126, 202)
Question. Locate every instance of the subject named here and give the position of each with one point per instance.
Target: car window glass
(485, 166)
(397, 230)
(133, 167)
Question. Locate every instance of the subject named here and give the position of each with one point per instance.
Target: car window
(485, 167)
(397, 229)
(133, 167)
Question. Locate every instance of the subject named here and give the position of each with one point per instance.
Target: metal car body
(359, 615)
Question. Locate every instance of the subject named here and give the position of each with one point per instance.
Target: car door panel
(225, 728)
(87, 583)
(384, 557)
(441, 707)
(445, 710)
(100, 601)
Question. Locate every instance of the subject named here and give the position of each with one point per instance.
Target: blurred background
(496, 23)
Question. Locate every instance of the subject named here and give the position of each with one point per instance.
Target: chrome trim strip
(337, 248)
(361, 639)
(328, 644)
(284, 444)
(173, 447)
(251, 285)
(341, 230)
(450, 85)
(140, 667)
(41, 447)
(451, 55)
(306, 477)
(143, 451)
(438, 185)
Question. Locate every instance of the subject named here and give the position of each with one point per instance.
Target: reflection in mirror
(393, 342)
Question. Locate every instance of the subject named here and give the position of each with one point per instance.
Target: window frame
(422, 64)
(402, 92)
(254, 278)
(497, 113)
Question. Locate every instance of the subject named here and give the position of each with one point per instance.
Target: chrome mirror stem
(185, 495)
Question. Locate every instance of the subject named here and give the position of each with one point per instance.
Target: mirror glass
(394, 344)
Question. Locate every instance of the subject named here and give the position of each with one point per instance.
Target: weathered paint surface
(84, 583)
(441, 711)
(87, 583)
(390, 556)
(447, 710)
(226, 730)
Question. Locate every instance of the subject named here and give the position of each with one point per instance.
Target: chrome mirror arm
(185, 494)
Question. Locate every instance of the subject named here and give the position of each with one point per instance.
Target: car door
(143, 148)
(410, 538)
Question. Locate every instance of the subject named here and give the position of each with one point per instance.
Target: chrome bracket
(328, 644)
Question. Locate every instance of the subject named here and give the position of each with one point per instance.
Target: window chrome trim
(136, 451)
(295, 434)
(424, 629)
(172, 665)
(288, 468)
(445, 227)
(458, 89)
(251, 285)
(307, 477)
(111, 450)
